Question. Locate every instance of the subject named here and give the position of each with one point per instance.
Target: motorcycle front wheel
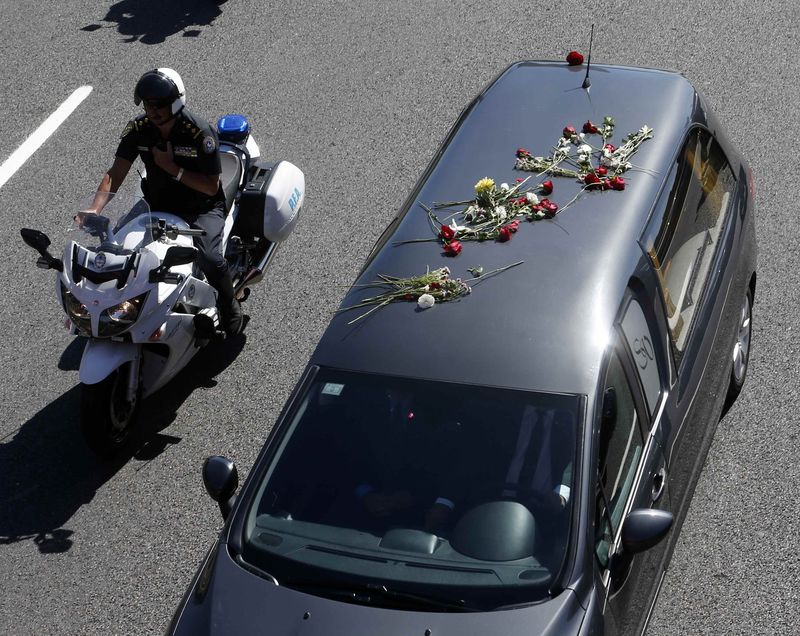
(107, 416)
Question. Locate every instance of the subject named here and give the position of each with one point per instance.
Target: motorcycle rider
(180, 152)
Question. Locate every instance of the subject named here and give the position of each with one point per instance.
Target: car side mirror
(221, 480)
(179, 255)
(644, 528)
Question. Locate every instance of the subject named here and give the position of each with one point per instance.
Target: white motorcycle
(131, 286)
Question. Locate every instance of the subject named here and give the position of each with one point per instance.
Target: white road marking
(40, 135)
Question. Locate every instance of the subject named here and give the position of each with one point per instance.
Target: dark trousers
(212, 261)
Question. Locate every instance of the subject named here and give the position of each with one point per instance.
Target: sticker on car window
(332, 389)
(634, 326)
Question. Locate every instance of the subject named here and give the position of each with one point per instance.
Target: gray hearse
(519, 460)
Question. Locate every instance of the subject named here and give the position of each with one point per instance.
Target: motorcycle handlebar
(161, 227)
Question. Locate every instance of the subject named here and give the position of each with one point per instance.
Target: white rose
(504, 186)
(426, 301)
(531, 198)
(500, 211)
(586, 149)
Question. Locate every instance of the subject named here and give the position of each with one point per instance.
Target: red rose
(521, 201)
(521, 152)
(574, 58)
(548, 207)
(589, 128)
(610, 147)
(434, 286)
(591, 179)
(547, 187)
(514, 225)
(447, 233)
(453, 248)
(505, 234)
(605, 184)
(618, 183)
(519, 179)
(602, 171)
(568, 132)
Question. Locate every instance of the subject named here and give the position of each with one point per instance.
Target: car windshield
(454, 491)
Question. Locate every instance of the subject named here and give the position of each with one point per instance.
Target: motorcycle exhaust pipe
(255, 274)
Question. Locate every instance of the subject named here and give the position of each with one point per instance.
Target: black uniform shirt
(195, 148)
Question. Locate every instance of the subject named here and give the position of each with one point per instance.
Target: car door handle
(659, 482)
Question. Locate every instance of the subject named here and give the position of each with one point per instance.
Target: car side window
(642, 348)
(687, 242)
(620, 450)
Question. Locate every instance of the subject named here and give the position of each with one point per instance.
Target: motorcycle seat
(231, 176)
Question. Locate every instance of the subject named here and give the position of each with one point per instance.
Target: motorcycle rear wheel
(107, 417)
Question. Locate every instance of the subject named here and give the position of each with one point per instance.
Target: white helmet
(161, 85)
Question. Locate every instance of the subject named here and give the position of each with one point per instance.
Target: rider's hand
(165, 159)
(80, 217)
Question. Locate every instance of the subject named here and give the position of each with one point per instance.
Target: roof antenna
(586, 82)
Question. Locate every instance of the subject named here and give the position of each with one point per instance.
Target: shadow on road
(153, 21)
(46, 470)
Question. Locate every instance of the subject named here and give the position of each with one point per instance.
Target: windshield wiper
(368, 593)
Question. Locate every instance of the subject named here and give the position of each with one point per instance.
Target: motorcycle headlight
(118, 318)
(77, 312)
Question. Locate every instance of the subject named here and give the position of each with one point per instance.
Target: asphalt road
(359, 95)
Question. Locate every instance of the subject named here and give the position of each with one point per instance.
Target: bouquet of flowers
(494, 213)
(426, 289)
(572, 156)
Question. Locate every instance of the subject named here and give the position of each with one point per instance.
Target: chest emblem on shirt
(184, 151)
(209, 145)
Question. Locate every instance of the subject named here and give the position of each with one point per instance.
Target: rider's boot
(229, 308)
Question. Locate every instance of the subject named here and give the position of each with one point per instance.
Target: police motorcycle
(130, 284)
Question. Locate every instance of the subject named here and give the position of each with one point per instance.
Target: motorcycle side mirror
(179, 255)
(35, 239)
(40, 242)
(644, 528)
(221, 480)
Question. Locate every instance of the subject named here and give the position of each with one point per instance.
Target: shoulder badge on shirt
(209, 145)
(127, 130)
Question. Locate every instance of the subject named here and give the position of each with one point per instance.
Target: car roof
(545, 324)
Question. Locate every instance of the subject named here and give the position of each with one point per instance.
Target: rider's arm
(110, 183)
(206, 183)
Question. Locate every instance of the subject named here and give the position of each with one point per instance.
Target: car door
(632, 471)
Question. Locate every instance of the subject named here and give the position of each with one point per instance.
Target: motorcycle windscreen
(114, 223)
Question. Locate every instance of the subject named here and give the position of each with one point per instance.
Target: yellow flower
(484, 185)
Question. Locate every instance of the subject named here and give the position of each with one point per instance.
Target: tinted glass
(428, 487)
(687, 243)
(641, 344)
(620, 450)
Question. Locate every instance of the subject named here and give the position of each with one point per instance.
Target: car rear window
(419, 485)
